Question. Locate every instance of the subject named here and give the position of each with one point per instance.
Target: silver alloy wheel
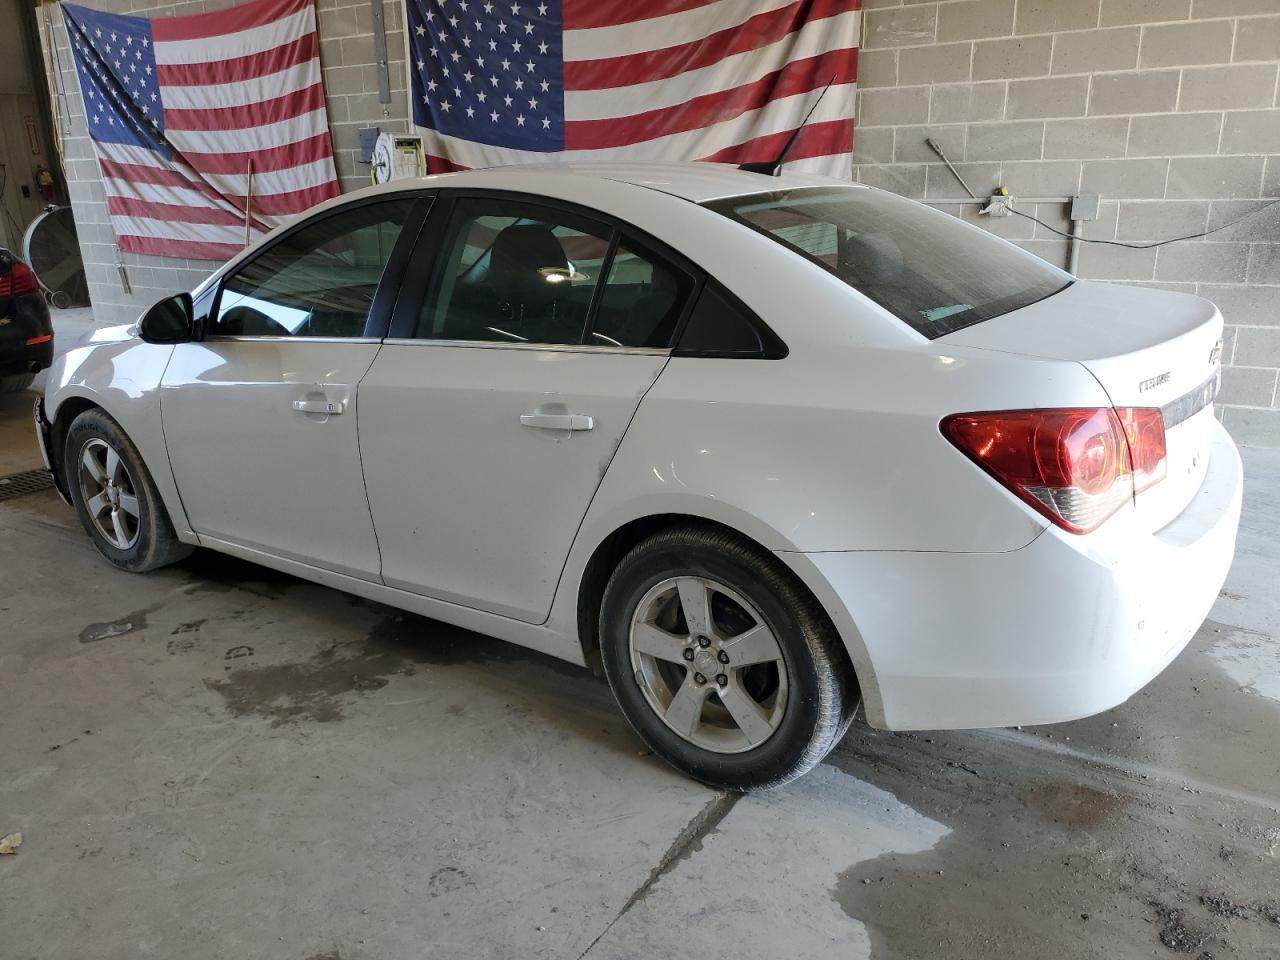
(109, 494)
(708, 665)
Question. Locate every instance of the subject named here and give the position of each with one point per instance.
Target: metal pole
(933, 145)
(248, 201)
(61, 92)
(1073, 247)
(380, 53)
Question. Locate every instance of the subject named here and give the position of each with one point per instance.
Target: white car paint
(509, 506)
(958, 604)
(269, 477)
(1062, 628)
(113, 369)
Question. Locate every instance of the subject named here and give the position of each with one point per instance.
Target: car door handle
(330, 407)
(558, 421)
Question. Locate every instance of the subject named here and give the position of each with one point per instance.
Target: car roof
(698, 181)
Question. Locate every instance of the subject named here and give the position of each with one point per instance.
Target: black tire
(155, 544)
(16, 382)
(822, 691)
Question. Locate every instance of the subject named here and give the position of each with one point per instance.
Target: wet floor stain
(1074, 805)
(319, 689)
(1068, 864)
(130, 622)
(1250, 658)
(312, 690)
(432, 642)
(219, 573)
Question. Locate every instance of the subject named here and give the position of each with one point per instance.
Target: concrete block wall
(347, 60)
(1167, 108)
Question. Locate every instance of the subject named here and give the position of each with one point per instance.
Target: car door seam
(364, 480)
(594, 493)
(164, 437)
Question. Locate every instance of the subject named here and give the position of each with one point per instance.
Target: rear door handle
(558, 421)
(330, 407)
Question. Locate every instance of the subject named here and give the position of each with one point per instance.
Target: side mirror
(172, 320)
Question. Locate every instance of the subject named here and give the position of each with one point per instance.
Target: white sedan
(766, 447)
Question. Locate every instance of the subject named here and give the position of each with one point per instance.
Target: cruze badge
(1154, 382)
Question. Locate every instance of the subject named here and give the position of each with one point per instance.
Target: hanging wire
(1154, 243)
(936, 148)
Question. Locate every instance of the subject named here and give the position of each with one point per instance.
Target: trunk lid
(1147, 348)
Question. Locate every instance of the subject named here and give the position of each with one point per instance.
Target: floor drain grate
(20, 484)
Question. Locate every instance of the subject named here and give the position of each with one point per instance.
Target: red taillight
(1144, 430)
(18, 281)
(1075, 466)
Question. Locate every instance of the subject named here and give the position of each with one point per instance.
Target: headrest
(523, 258)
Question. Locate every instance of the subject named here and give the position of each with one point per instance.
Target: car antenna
(773, 167)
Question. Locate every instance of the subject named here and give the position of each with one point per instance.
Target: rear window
(933, 271)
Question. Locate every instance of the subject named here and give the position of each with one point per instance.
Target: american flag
(177, 106)
(515, 81)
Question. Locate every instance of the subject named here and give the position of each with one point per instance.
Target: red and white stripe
(236, 85)
(729, 83)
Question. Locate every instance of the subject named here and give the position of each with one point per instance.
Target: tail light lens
(1144, 430)
(1075, 466)
(18, 280)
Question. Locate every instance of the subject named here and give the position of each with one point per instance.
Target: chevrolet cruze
(765, 447)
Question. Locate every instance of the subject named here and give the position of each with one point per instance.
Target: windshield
(928, 268)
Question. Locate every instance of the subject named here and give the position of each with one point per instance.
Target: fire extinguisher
(44, 183)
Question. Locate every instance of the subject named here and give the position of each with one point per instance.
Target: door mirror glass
(169, 321)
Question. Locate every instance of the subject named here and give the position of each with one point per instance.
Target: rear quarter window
(720, 326)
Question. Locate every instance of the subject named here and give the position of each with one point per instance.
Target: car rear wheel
(15, 382)
(115, 497)
(721, 661)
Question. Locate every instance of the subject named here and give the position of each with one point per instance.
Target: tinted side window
(719, 326)
(512, 272)
(641, 302)
(318, 281)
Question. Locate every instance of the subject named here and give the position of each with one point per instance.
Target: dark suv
(26, 332)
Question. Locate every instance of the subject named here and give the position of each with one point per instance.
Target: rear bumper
(25, 319)
(26, 358)
(1062, 628)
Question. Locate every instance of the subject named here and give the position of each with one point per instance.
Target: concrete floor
(217, 761)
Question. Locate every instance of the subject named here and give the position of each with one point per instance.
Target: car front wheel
(115, 497)
(721, 661)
